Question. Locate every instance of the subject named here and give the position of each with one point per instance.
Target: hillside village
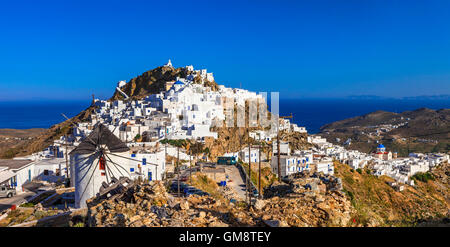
(131, 136)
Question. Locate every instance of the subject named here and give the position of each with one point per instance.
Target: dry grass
(376, 203)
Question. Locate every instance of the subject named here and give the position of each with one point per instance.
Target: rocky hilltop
(421, 130)
(154, 81)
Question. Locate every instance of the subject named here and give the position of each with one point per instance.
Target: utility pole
(165, 145)
(178, 169)
(190, 165)
(278, 146)
(259, 171)
(67, 163)
(278, 154)
(249, 173)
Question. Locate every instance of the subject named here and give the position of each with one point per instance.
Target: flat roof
(15, 164)
(54, 161)
(5, 175)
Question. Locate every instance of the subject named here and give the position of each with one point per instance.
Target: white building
(23, 171)
(290, 164)
(254, 155)
(284, 148)
(50, 170)
(325, 165)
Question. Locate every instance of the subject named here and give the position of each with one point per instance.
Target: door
(149, 176)
(29, 175)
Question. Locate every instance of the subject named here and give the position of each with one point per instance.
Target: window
(131, 169)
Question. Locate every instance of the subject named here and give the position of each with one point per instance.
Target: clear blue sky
(71, 49)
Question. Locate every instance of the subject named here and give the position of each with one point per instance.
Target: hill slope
(377, 204)
(422, 130)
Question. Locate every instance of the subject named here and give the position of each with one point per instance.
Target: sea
(310, 113)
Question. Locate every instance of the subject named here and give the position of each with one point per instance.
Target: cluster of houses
(381, 161)
(185, 110)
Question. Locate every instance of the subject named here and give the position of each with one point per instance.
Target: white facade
(24, 175)
(290, 164)
(48, 169)
(284, 148)
(325, 165)
(254, 155)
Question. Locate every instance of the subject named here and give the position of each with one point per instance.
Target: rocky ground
(150, 205)
(305, 201)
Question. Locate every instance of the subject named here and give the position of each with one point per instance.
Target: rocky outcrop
(154, 81)
(151, 206)
(307, 199)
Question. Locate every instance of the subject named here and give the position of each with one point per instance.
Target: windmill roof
(101, 135)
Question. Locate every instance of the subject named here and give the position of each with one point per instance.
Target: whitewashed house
(23, 172)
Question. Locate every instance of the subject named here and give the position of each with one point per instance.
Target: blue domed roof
(381, 146)
(178, 83)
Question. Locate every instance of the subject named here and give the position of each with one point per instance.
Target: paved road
(237, 183)
(6, 203)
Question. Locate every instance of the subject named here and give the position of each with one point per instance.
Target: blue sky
(72, 49)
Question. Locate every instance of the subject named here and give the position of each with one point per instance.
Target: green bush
(27, 205)
(423, 176)
(79, 224)
(359, 170)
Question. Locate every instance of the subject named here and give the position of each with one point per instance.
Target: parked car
(255, 193)
(6, 191)
(174, 186)
(189, 189)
